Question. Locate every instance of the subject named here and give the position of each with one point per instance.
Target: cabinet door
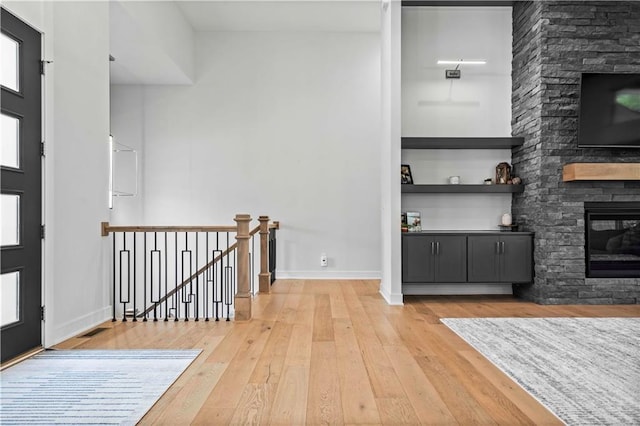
(417, 259)
(450, 261)
(516, 263)
(484, 265)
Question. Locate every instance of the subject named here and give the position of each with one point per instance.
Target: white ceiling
(282, 15)
(140, 30)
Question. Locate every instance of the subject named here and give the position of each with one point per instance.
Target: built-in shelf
(601, 171)
(461, 189)
(461, 143)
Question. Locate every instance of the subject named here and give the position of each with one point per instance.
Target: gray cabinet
(434, 258)
(467, 257)
(500, 258)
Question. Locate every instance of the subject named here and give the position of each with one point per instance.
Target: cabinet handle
(438, 248)
(502, 244)
(433, 248)
(497, 247)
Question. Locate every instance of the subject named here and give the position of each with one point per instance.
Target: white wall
(76, 284)
(278, 123)
(151, 42)
(127, 128)
(478, 104)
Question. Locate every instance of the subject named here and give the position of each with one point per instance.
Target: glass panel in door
(10, 298)
(9, 68)
(9, 141)
(10, 210)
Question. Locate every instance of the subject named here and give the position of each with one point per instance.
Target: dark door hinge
(42, 149)
(42, 232)
(42, 313)
(42, 65)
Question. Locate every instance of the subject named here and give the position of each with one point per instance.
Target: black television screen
(609, 110)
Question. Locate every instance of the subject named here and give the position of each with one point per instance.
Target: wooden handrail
(231, 248)
(106, 229)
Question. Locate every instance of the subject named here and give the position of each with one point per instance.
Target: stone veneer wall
(553, 42)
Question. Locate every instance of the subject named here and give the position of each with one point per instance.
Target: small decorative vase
(506, 219)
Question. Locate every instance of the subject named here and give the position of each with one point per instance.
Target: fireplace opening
(612, 240)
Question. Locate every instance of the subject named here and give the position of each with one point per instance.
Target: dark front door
(21, 187)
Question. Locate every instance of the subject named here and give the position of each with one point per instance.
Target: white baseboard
(328, 275)
(455, 289)
(392, 298)
(59, 333)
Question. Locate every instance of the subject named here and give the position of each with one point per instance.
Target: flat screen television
(609, 110)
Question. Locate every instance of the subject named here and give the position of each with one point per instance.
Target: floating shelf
(601, 171)
(461, 143)
(460, 189)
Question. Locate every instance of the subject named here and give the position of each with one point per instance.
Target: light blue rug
(97, 387)
(584, 370)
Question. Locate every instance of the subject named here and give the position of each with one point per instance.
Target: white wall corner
(391, 298)
(152, 43)
(391, 284)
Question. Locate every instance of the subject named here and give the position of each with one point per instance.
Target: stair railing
(189, 272)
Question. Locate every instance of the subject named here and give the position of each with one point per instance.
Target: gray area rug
(584, 370)
(115, 387)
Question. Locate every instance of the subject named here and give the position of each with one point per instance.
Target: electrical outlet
(323, 260)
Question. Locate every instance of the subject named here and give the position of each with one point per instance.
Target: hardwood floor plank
(396, 411)
(221, 403)
(270, 364)
(297, 286)
(385, 332)
(271, 307)
(338, 305)
(289, 406)
(254, 407)
(358, 402)
(382, 376)
(186, 400)
(402, 323)
(421, 393)
(459, 385)
(462, 404)
(333, 352)
(322, 319)
(233, 341)
(299, 346)
(359, 319)
(306, 309)
(324, 404)
(289, 309)
(521, 398)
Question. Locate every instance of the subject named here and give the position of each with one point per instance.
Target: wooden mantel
(601, 171)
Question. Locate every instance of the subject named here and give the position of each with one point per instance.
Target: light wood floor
(333, 352)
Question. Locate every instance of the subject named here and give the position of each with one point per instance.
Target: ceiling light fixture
(462, 62)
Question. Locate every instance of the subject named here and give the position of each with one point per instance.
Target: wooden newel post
(264, 279)
(243, 296)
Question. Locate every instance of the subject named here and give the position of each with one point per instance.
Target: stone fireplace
(612, 240)
(553, 42)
